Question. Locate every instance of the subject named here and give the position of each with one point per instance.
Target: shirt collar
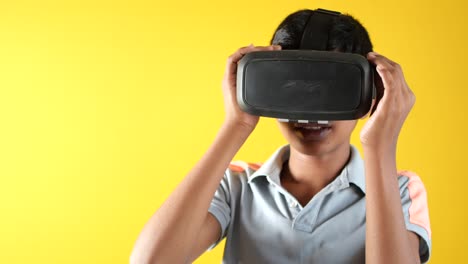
(271, 169)
(353, 172)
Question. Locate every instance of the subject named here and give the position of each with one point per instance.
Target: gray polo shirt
(264, 223)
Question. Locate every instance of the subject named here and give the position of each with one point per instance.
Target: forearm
(387, 239)
(171, 232)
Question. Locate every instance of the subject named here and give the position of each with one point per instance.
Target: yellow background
(105, 106)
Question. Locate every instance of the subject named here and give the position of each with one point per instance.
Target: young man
(315, 200)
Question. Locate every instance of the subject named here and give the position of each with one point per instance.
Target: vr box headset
(309, 84)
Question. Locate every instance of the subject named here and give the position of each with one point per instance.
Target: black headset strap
(315, 36)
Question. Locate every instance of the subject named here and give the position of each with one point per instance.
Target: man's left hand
(380, 133)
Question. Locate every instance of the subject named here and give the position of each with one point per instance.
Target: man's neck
(306, 175)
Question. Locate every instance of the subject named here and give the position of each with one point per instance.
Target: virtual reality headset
(309, 84)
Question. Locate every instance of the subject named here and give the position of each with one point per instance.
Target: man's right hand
(234, 114)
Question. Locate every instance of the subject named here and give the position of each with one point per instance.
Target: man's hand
(380, 133)
(233, 113)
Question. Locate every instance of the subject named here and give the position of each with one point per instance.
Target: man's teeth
(313, 128)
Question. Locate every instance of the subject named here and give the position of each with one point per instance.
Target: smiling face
(317, 139)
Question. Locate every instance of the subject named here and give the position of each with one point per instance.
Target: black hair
(346, 34)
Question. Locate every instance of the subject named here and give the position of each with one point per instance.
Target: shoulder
(243, 167)
(416, 209)
(410, 181)
(414, 199)
(241, 171)
(238, 173)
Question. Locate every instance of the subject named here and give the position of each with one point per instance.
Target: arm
(387, 239)
(182, 228)
(170, 234)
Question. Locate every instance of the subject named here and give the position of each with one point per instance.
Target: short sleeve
(220, 207)
(415, 209)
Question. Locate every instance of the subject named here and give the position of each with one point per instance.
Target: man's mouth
(312, 125)
(312, 131)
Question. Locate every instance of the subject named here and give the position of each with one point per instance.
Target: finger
(388, 71)
(269, 47)
(258, 48)
(379, 60)
(242, 51)
(235, 58)
(396, 93)
(383, 64)
(231, 65)
(376, 54)
(388, 79)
